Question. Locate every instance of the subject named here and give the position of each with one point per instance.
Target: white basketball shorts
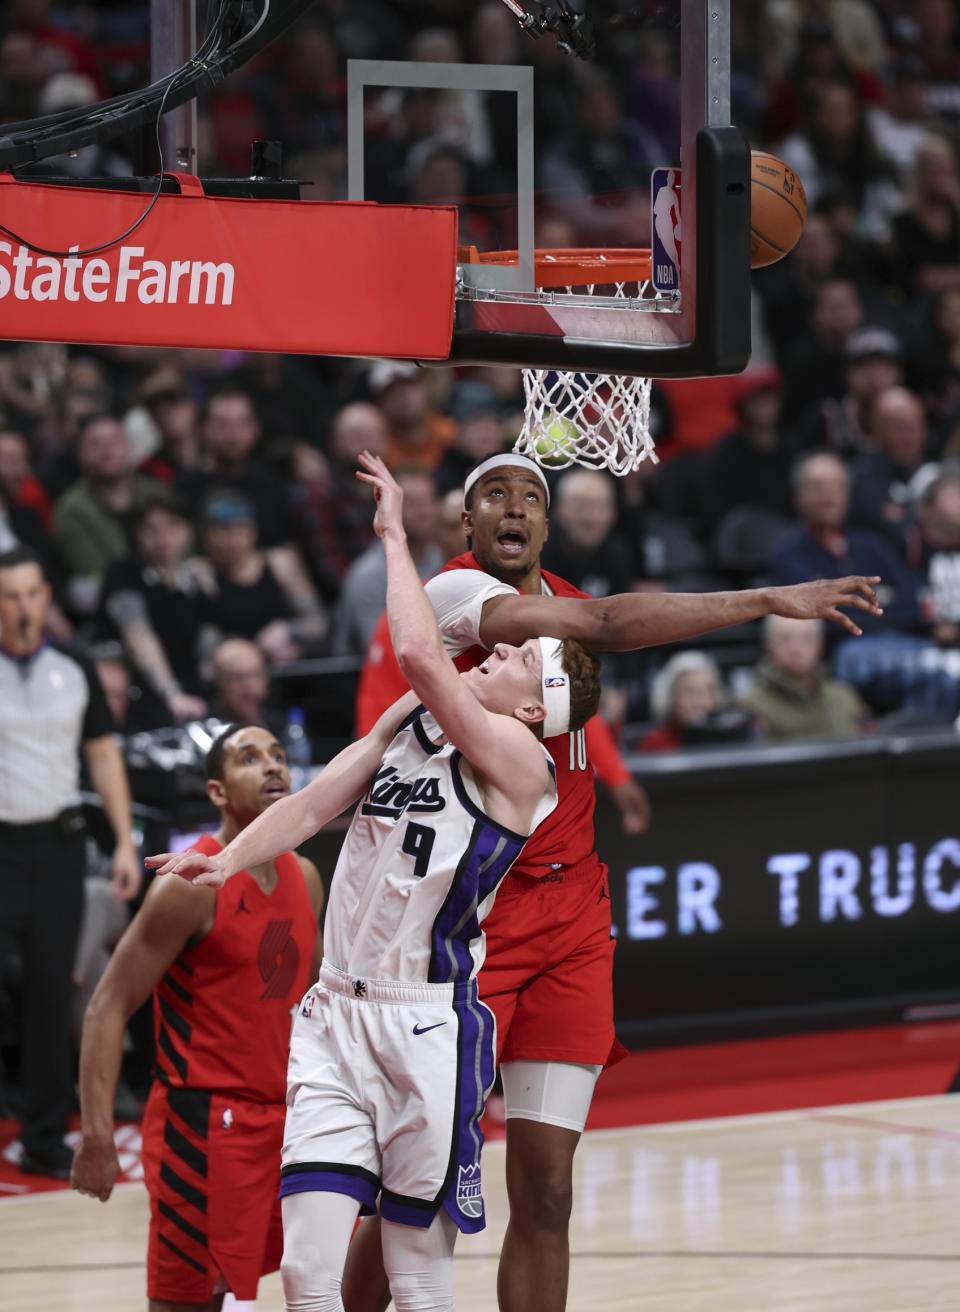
(385, 1089)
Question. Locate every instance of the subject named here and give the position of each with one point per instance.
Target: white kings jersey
(420, 865)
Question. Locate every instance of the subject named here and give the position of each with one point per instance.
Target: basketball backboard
(538, 149)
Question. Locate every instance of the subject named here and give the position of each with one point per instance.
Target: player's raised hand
(196, 867)
(820, 600)
(387, 491)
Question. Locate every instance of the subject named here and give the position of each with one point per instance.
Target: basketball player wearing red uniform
(226, 967)
(547, 973)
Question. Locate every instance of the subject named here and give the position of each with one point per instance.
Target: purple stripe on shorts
(332, 1182)
(463, 1200)
(395, 1208)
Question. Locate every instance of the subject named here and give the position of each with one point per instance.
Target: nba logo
(307, 1008)
(665, 240)
(469, 1197)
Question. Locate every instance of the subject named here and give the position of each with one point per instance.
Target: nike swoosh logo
(427, 1028)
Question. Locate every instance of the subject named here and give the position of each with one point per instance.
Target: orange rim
(571, 266)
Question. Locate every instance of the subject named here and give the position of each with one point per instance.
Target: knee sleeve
(316, 1232)
(420, 1264)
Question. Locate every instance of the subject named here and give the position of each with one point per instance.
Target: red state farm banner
(325, 278)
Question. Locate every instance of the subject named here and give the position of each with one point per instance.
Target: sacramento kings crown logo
(469, 1197)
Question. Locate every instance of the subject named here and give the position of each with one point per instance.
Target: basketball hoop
(601, 421)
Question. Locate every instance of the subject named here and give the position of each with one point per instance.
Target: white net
(598, 420)
(601, 421)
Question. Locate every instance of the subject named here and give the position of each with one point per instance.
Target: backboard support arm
(173, 39)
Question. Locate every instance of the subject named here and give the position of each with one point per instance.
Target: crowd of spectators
(199, 511)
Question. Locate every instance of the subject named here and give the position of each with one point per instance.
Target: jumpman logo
(424, 1029)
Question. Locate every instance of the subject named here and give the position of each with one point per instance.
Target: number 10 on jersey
(578, 751)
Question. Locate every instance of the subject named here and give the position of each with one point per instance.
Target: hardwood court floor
(846, 1209)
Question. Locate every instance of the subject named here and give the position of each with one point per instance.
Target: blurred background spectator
(602, 157)
(787, 288)
(746, 482)
(451, 538)
(815, 366)
(172, 416)
(926, 232)
(242, 685)
(793, 696)
(844, 423)
(364, 591)
(31, 375)
(902, 121)
(93, 520)
(584, 546)
(417, 434)
(821, 545)
(20, 525)
(152, 601)
(481, 432)
(685, 692)
(835, 153)
(114, 675)
(260, 593)
(884, 481)
(18, 481)
(332, 512)
(933, 361)
(939, 519)
(229, 435)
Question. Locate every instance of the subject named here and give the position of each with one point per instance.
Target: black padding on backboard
(722, 344)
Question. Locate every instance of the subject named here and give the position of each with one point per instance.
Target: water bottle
(296, 744)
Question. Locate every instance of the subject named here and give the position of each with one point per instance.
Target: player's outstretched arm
(633, 619)
(292, 820)
(171, 914)
(492, 743)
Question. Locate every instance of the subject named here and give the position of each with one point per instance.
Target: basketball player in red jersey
(547, 973)
(226, 967)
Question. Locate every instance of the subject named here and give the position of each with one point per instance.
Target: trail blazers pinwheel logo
(278, 958)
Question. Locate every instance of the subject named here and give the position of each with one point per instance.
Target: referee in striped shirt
(51, 705)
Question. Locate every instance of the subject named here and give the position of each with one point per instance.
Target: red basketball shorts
(212, 1170)
(547, 976)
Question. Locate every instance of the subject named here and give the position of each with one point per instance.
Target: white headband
(554, 688)
(506, 458)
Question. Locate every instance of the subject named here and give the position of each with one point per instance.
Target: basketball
(778, 209)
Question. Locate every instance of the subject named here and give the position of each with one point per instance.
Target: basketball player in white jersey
(392, 1052)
